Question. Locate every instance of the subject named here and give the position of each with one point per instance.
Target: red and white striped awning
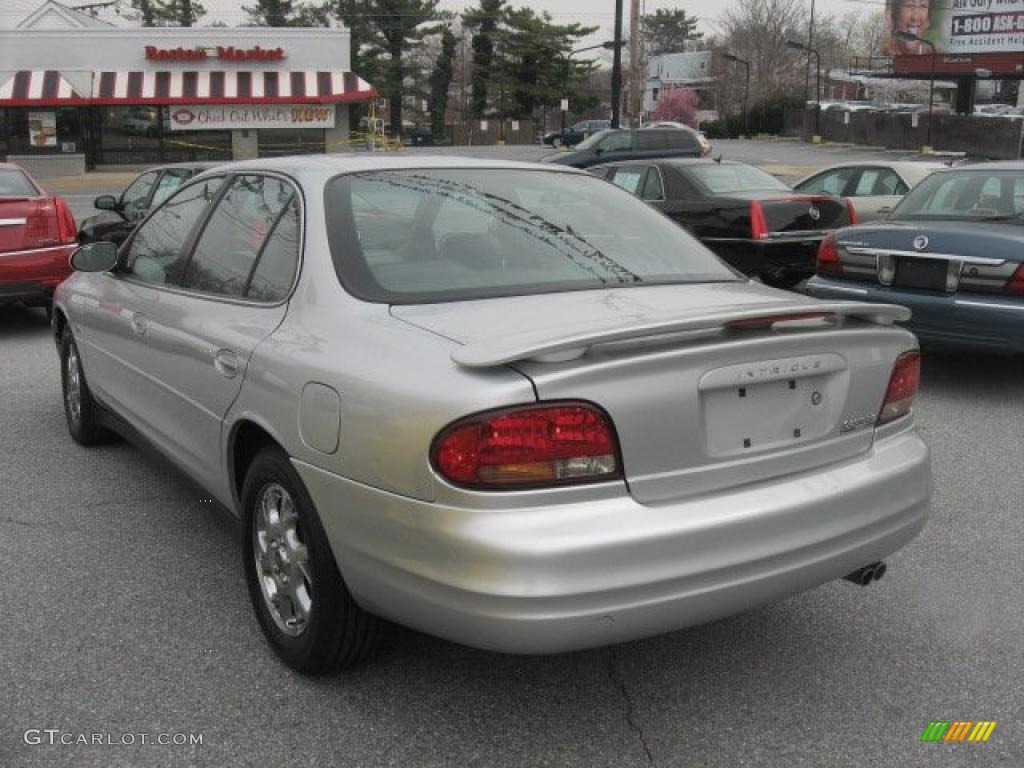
(39, 88)
(229, 87)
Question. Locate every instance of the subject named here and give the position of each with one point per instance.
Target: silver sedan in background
(507, 404)
(872, 187)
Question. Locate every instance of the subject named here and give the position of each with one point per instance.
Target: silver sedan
(872, 187)
(506, 404)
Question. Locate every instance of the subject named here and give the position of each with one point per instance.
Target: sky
(590, 12)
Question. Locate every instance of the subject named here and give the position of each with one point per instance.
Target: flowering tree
(678, 105)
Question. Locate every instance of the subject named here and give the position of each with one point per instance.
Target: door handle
(140, 324)
(226, 363)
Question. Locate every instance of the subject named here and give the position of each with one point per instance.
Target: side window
(226, 252)
(651, 139)
(830, 183)
(614, 142)
(681, 139)
(630, 178)
(155, 252)
(279, 260)
(866, 182)
(601, 171)
(888, 183)
(652, 185)
(170, 181)
(134, 198)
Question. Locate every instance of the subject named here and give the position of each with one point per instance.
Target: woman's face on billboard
(912, 16)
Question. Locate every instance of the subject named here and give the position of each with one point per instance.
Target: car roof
(374, 161)
(201, 165)
(680, 161)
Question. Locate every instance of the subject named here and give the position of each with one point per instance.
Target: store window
(290, 141)
(141, 134)
(41, 130)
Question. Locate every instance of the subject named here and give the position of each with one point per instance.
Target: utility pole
(810, 45)
(617, 66)
(635, 87)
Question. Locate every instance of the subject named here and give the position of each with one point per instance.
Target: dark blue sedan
(952, 251)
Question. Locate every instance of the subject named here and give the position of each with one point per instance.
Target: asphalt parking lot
(126, 614)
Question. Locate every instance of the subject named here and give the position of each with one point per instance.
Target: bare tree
(757, 31)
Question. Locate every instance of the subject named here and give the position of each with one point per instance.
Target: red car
(37, 236)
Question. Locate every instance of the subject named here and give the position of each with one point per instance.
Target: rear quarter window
(16, 184)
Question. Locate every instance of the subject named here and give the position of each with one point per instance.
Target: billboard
(954, 26)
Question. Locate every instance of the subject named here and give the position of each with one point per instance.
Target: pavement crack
(630, 708)
(16, 521)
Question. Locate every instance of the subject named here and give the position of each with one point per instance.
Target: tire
(80, 410)
(314, 625)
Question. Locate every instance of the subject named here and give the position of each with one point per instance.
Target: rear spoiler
(551, 347)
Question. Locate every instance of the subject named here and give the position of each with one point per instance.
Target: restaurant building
(74, 89)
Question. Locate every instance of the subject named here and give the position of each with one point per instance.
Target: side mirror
(105, 203)
(100, 256)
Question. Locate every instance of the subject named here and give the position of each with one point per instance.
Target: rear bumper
(578, 575)
(981, 321)
(33, 275)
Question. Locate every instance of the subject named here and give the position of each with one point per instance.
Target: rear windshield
(15, 184)
(406, 237)
(722, 179)
(967, 195)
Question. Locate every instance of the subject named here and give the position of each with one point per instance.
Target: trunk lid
(697, 407)
(804, 214)
(939, 256)
(27, 222)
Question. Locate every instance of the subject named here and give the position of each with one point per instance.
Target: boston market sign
(224, 53)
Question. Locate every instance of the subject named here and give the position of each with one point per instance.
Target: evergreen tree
(666, 31)
(400, 24)
(272, 13)
(440, 80)
(485, 21)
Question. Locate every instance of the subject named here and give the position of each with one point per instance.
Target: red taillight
(828, 262)
(528, 446)
(41, 227)
(1016, 284)
(852, 210)
(903, 384)
(758, 223)
(66, 229)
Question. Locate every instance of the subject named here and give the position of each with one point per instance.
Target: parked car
(141, 121)
(752, 220)
(122, 213)
(610, 145)
(529, 414)
(874, 187)
(952, 251)
(37, 236)
(570, 137)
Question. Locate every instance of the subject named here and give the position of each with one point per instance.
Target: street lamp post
(911, 38)
(746, 87)
(817, 81)
(617, 65)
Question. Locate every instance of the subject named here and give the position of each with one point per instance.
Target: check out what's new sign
(216, 117)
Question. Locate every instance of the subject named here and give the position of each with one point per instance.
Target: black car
(617, 144)
(123, 213)
(753, 221)
(570, 137)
